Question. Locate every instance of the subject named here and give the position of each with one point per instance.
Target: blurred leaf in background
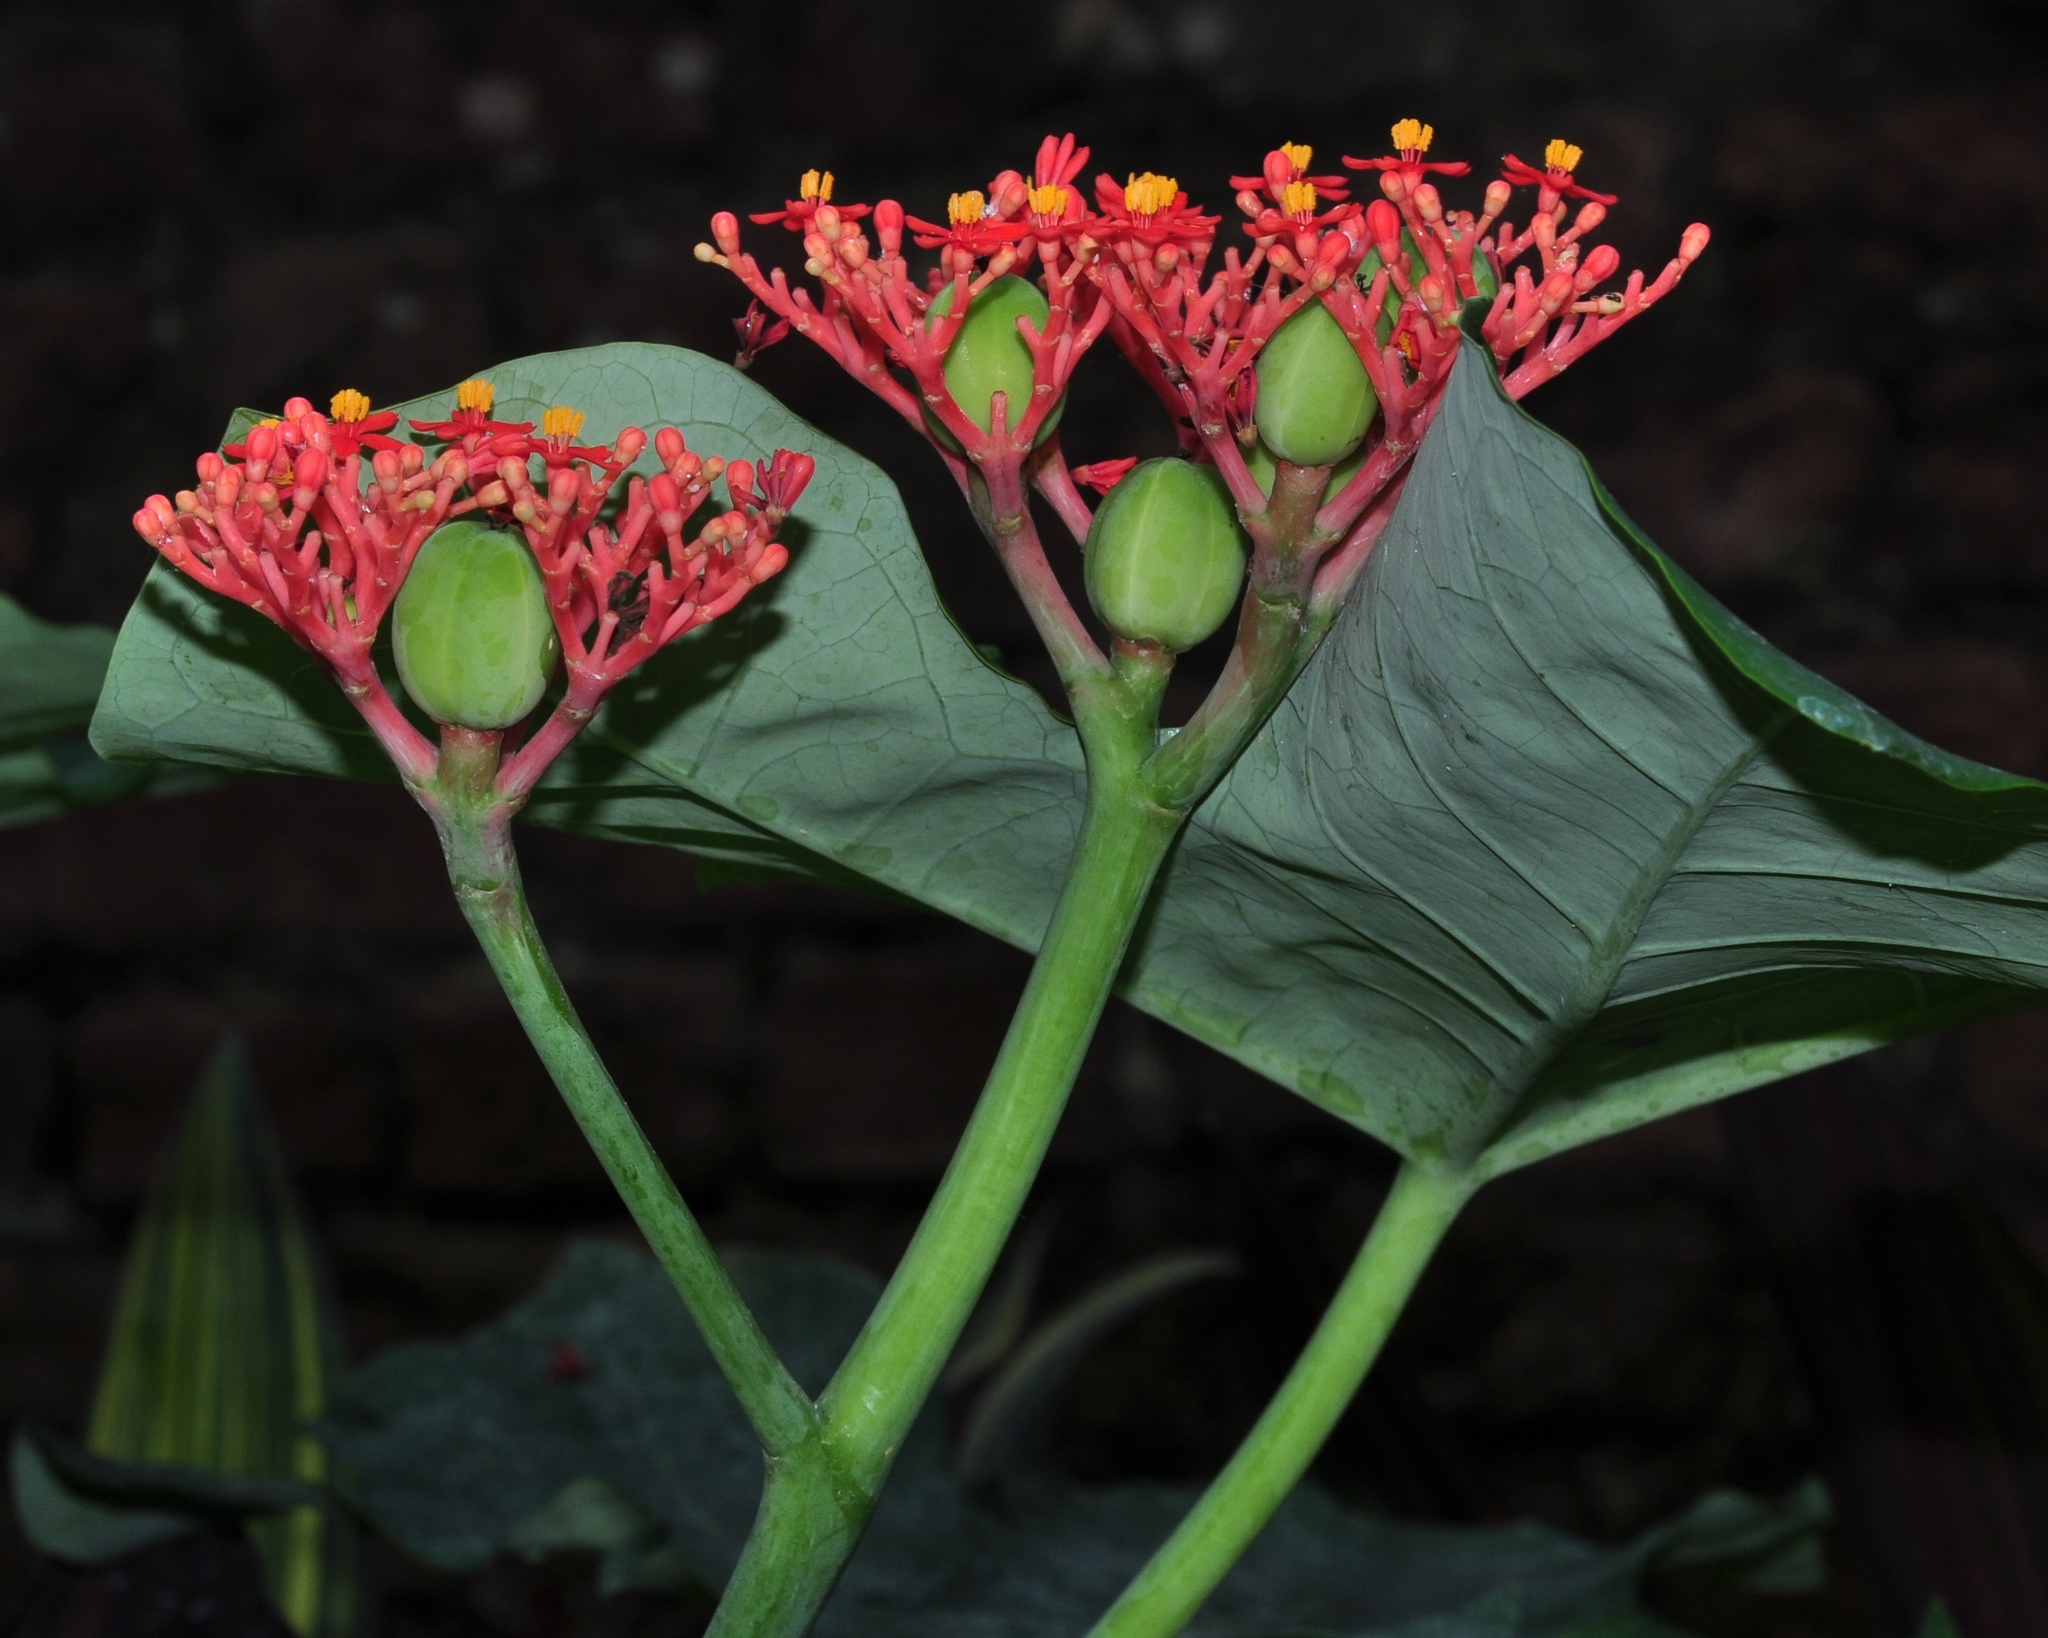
(591, 1418)
(224, 1347)
(49, 682)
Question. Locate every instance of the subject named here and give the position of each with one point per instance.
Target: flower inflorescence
(1144, 267)
(294, 523)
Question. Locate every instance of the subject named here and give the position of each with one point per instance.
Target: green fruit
(1315, 399)
(470, 629)
(1260, 459)
(988, 356)
(1166, 554)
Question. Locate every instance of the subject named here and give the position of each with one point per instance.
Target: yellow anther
(1298, 199)
(1411, 136)
(1048, 201)
(476, 395)
(561, 422)
(1148, 195)
(962, 208)
(1562, 155)
(270, 421)
(348, 405)
(816, 185)
(1298, 155)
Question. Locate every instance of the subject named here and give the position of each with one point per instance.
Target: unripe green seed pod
(1166, 554)
(470, 628)
(1260, 459)
(988, 356)
(1315, 399)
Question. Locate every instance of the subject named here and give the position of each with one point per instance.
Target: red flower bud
(1598, 268)
(1385, 223)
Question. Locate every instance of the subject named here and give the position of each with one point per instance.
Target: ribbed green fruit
(988, 356)
(1166, 554)
(225, 1343)
(470, 629)
(1260, 459)
(1315, 399)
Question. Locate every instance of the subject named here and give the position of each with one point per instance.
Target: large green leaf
(1543, 844)
(595, 1400)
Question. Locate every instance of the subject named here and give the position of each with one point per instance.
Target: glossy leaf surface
(1543, 844)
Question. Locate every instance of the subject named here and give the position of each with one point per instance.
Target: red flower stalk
(285, 523)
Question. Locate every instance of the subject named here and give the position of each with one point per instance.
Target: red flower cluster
(1142, 266)
(288, 523)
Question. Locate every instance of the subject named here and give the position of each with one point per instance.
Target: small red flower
(471, 426)
(1560, 159)
(354, 427)
(814, 188)
(1411, 141)
(757, 334)
(783, 477)
(1286, 164)
(1103, 476)
(1151, 211)
(974, 225)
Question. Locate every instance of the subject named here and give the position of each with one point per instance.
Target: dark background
(1837, 423)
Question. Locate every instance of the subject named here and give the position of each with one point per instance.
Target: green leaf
(224, 1345)
(1542, 845)
(459, 1448)
(74, 1527)
(589, 1515)
(1777, 1552)
(49, 682)
(487, 1444)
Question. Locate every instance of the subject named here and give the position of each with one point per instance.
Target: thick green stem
(810, 1522)
(1276, 1453)
(878, 1391)
(485, 872)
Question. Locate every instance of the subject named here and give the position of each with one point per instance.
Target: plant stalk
(484, 870)
(1165, 1595)
(808, 1527)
